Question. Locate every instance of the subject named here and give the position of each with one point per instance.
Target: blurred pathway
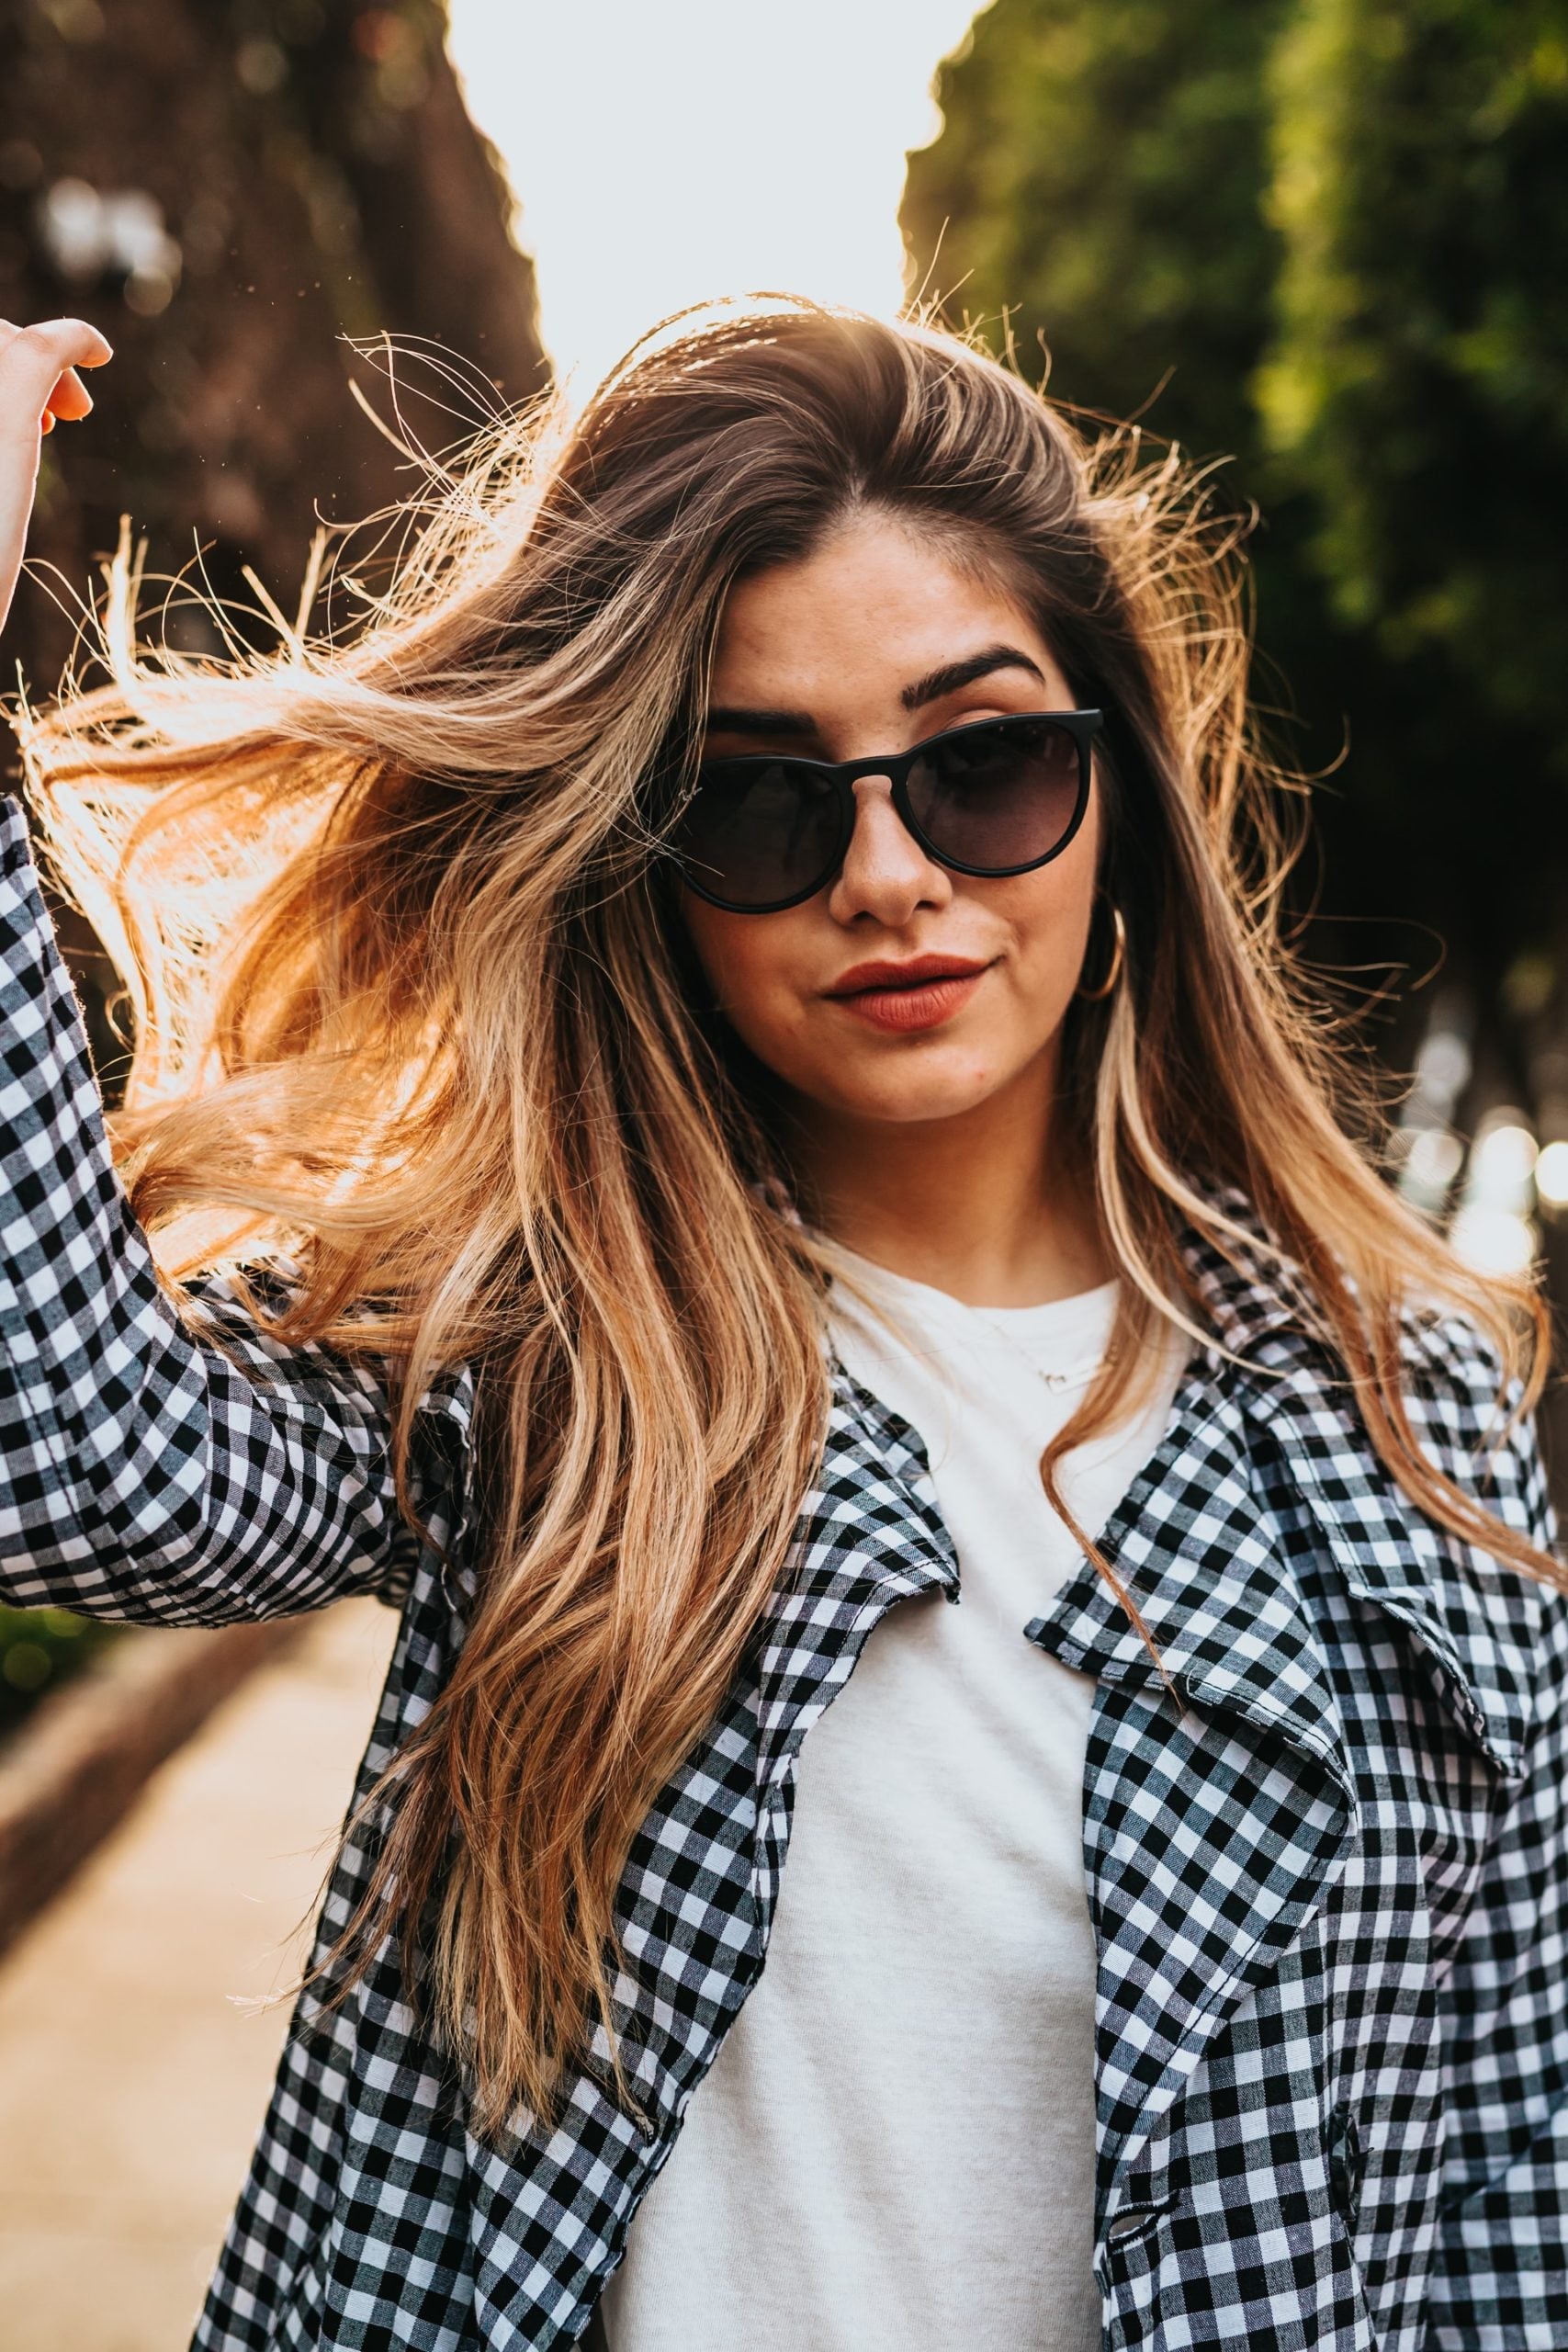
(130, 2083)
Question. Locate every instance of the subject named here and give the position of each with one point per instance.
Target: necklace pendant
(1078, 1376)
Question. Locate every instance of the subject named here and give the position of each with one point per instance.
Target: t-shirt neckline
(1057, 1327)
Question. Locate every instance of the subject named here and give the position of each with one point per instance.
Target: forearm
(146, 1469)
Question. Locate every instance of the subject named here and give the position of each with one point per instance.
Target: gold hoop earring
(1098, 996)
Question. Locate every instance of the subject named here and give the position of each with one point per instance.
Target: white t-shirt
(894, 2151)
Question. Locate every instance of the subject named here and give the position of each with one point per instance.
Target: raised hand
(39, 387)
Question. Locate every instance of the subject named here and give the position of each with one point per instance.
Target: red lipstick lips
(918, 993)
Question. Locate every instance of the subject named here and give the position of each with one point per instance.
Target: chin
(907, 1097)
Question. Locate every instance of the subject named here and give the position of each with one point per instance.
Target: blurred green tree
(40, 1648)
(1099, 178)
(1419, 383)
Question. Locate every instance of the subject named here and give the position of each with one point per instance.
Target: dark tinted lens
(998, 796)
(758, 831)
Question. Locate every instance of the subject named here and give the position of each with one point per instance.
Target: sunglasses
(1000, 796)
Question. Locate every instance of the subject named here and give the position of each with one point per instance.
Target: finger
(32, 362)
(69, 398)
(80, 342)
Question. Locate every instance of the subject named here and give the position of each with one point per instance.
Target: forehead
(878, 596)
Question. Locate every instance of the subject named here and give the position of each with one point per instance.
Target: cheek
(1049, 914)
(1052, 929)
(747, 963)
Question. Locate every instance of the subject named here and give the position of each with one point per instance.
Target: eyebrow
(955, 674)
(947, 680)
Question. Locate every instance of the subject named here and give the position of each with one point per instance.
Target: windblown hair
(414, 1010)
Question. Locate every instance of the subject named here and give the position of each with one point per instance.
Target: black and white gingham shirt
(1329, 1875)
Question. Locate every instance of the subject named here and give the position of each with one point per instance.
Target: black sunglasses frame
(1083, 726)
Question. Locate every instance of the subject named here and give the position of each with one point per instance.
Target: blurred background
(1322, 244)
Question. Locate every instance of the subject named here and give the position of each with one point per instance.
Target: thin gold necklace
(1069, 1377)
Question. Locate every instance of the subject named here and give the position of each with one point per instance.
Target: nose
(886, 873)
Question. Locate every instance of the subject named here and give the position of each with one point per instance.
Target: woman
(721, 1075)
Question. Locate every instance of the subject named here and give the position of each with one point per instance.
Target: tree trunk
(230, 189)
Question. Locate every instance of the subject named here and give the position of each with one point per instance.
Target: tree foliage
(1418, 386)
(1099, 178)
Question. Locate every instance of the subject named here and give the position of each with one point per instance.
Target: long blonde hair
(413, 1007)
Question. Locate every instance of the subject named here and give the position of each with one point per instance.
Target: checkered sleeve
(1499, 2280)
(186, 1470)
